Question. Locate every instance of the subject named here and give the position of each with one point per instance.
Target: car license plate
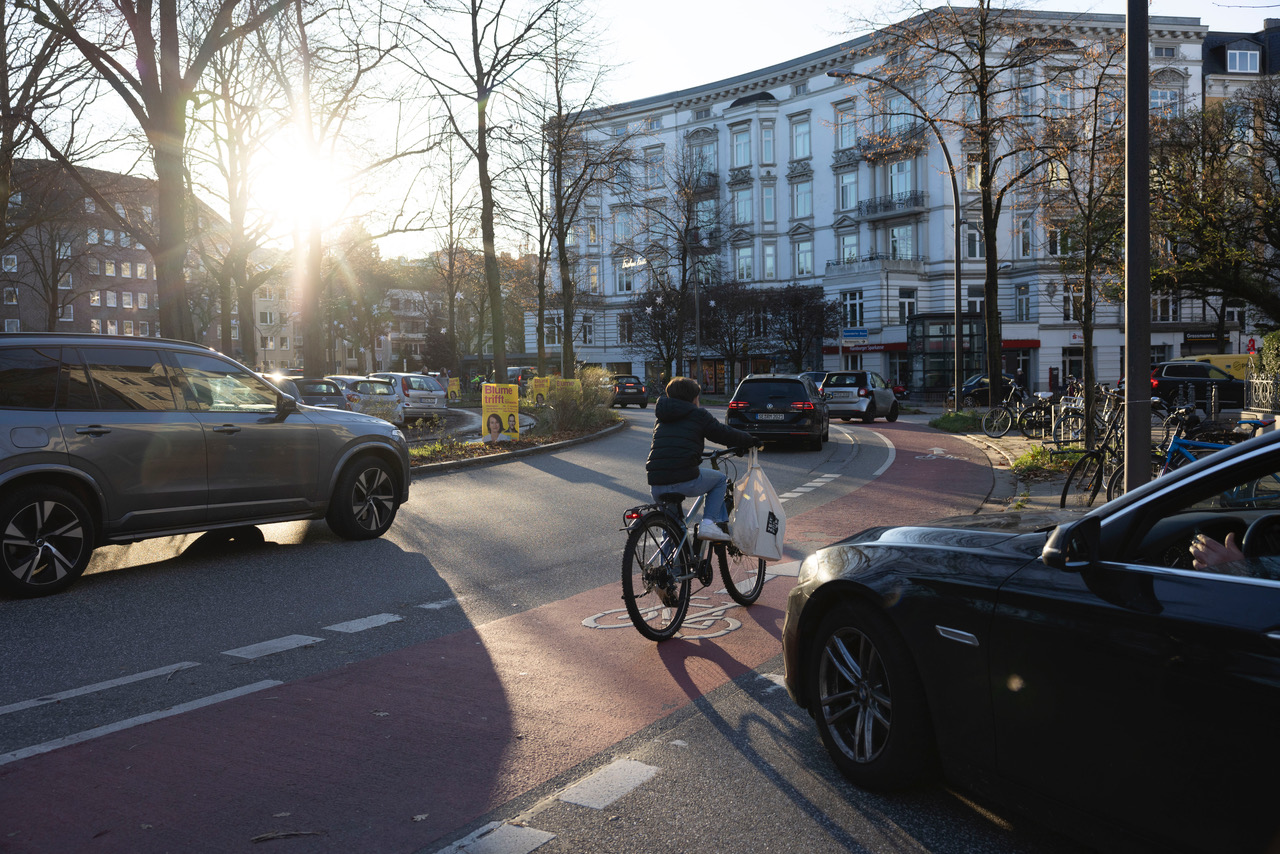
(770, 416)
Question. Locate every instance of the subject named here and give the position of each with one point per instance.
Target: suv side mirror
(1074, 546)
(285, 405)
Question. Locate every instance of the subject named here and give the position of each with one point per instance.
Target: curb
(1005, 486)
(494, 459)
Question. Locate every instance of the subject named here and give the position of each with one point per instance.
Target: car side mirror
(1073, 547)
(285, 405)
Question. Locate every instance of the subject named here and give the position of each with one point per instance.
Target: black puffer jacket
(678, 434)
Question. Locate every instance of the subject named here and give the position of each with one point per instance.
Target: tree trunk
(567, 310)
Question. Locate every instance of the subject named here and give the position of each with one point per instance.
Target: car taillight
(615, 389)
(737, 404)
(404, 384)
(354, 398)
(802, 405)
(1154, 382)
(862, 392)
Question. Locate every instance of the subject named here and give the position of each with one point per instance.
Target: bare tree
(733, 323)
(660, 326)
(490, 46)
(982, 71)
(1264, 151)
(155, 74)
(802, 318)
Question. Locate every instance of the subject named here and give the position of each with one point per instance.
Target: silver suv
(112, 440)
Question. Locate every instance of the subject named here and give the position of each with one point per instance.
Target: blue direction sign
(855, 334)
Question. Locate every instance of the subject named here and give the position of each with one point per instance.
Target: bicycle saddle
(671, 497)
(1044, 395)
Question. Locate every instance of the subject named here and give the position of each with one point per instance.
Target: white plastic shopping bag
(758, 524)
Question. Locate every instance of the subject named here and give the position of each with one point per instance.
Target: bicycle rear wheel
(997, 421)
(1069, 429)
(655, 583)
(1084, 482)
(743, 575)
(1035, 421)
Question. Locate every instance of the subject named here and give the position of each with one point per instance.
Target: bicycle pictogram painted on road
(940, 454)
(702, 621)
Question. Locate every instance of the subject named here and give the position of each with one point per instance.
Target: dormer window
(1242, 61)
(699, 115)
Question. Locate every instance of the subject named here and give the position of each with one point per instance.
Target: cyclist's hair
(683, 388)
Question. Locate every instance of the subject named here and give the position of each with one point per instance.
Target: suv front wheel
(364, 504)
(48, 538)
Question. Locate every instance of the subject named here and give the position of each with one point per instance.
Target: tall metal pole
(1137, 250)
(845, 74)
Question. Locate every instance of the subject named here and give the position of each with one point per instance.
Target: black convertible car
(1077, 663)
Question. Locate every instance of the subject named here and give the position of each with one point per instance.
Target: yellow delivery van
(1233, 363)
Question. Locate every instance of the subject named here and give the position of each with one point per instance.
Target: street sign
(855, 334)
(1253, 345)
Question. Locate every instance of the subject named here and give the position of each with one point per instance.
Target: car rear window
(28, 377)
(839, 380)
(763, 390)
(375, 387)
(626, 379)
(317, 387)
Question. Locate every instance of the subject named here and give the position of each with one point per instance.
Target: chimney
(1271, 23)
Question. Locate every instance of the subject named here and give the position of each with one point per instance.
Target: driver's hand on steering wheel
(1207, 552)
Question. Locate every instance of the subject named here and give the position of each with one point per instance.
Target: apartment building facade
(807, 197)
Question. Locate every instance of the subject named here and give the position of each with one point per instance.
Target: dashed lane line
(128, 723)
(605, 786)
(271, 647)
(500, 838)
(360, 625)
(97, 686)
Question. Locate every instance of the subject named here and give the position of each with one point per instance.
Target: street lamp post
(847, 74)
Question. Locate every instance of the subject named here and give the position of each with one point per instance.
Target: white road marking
(351, 626)
(436, 606)
(893, 452)
(790, 568)
(97, 686)
(271, 647)
(499, 838)
(135, 721)
(609, 783)
(806, 488)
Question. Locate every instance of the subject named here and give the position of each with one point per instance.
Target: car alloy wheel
(364, 504)
(856, 699)
(47, 540)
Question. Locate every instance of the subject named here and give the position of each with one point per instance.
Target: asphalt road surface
(469, 682)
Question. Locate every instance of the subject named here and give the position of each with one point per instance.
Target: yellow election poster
(562, 386)
(500, 408)
(540, 390)
(455, 388)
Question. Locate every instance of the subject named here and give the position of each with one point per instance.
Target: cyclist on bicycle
(680, 428)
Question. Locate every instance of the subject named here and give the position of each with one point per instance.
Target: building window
(977, 299)
(126, 299)
(142, 299)
(848, 191)
(12, 325)
(1164, 52)
(1025, 238)
(704, 155)
(95, 326)
(801, 88)
(769, 261)
(847, 132)
(653, 169)
(111, 299)
(126, 270)
(906, 304)
(854, 308)
(901, 242)
(899, 114)
(95, 266)
(741, 142)
(768, 209)
(1072, 303)
(1164, 101)
(1058, 240)
(593, 231)
(742, 206)
(144, 328)
(266, 318)
(802, 199)
(766, 144)
(1022, 303)
(593, 278)
(91, 236)
(10, 264)
(900, 177)
(142, 270)
(848, 248)
(804, 257)
(1242, 61)
(127, 327)
(626, 327)
(10, 296)
(704, 113)
(1164, 309)
(90, 206)
(588, 329)
(624, 278)
(800, 147)
(742, 263)
(108, 267)
(975, 247)
(112, 328)
(66, 313)
(95, 297)
(654, 123)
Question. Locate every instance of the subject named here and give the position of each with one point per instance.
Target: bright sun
(293, 188)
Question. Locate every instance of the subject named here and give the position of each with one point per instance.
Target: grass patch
(1039, 463)
(450, 449)
(965, 421)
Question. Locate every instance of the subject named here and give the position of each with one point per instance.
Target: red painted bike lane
(393, 753)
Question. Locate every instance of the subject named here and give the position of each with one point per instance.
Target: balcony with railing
(876, 263)
(914, 200)
(895, 142)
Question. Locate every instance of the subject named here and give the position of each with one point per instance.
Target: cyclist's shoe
(717, 532)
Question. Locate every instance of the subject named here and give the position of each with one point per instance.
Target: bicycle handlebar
(724, 452)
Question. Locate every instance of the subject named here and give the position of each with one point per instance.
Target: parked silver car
(107, 439)
(372, 397)
(312, 392)
(421, 396)
(859, 394)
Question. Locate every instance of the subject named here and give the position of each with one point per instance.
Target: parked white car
(859, 394)
(420, 395)
(371, 396)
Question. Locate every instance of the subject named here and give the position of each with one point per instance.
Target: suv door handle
(226, 428)
(92, 430)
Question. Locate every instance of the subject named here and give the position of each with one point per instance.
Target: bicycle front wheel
(655, 583)
(743, 575)
(1069, 429)
(1084, 482)
(997, 421)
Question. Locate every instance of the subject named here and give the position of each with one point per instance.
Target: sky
(665, 45)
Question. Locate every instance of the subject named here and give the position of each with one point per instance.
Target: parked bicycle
(663, 556)
(1031, 413)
